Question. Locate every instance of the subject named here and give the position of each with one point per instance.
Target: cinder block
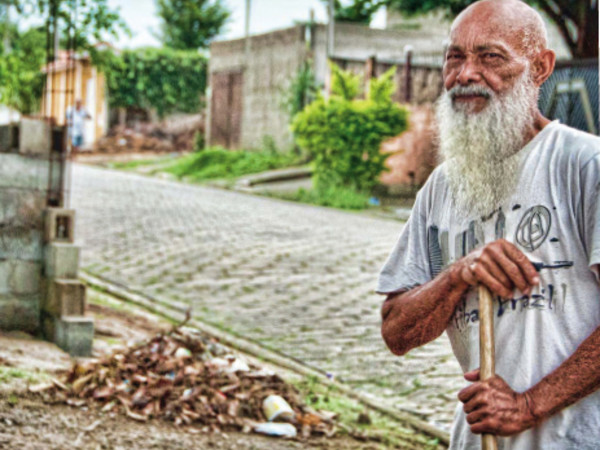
(75, 335)
(8, 136)
(62, 260)
(65, 298)
(20, 312)
(60, 225)
(5, 273)
(24, 277)
(35, 137)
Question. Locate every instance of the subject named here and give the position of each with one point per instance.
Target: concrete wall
(358, 42)
(23, 184)
(275, 59)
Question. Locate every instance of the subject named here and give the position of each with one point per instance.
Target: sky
(265, 15)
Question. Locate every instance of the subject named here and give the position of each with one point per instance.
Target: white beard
(481, 150)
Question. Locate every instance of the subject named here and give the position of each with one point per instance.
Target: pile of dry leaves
(186, 377)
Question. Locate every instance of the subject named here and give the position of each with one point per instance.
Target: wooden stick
(487, 367)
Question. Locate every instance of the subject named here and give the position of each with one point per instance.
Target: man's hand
(492, 407)
(501, 267)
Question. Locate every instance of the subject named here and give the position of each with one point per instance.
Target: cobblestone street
(295, 278)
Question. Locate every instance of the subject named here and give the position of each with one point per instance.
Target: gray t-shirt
(554, 218)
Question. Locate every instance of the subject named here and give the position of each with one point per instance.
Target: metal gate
(226, 109)
(571, 95)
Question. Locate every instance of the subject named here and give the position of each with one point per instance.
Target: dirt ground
(27, 422)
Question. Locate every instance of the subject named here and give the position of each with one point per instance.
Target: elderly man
(514, 207)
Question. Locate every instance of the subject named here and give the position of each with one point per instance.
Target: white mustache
(470, 90)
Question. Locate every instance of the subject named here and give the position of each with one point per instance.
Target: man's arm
(493, 407)
(415, 317)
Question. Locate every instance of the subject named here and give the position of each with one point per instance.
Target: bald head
(512, 20)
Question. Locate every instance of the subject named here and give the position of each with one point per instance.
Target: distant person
(76, 117)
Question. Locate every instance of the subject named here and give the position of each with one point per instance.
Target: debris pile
(166, 136)
(190, 379)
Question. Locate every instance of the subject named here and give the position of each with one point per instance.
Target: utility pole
(6, 36)
(330, 28)
(247, 33)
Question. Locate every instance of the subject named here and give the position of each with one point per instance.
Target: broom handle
(486, 351)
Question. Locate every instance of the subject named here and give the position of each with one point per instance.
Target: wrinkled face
(483, 59)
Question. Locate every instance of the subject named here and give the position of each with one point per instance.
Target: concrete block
(25, 277)
(60, 225)
(35, 137)
(8, 138)
(75, 335)
(5, 272)
(65, 298)
(62, 260)
(24, 173)
(25, 245)
(20, 312)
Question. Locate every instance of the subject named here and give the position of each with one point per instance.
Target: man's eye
(453, 56)
(492, 55)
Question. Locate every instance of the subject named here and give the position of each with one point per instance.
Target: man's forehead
(505, 22)
(475, 36)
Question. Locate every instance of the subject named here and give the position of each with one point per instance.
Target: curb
(176, 311)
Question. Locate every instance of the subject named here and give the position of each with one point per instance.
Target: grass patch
(332, 196)
(8, 374)
(381, 429)
(218, 163)
(132, 165)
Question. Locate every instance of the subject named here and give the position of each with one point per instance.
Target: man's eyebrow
(486, 47)
(454, 48)
(479, 48)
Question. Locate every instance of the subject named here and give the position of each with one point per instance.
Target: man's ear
(543, 66)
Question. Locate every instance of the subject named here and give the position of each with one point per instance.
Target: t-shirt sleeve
(408, 264)
(591, 210)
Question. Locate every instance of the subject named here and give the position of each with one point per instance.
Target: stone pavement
(295, 278)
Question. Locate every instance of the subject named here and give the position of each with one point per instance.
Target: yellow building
(73, 77)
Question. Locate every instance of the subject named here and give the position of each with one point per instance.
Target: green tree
(344, 134)
(577, 20)
(21, 80)
(90, 21)
(191, 24)
(360, 11)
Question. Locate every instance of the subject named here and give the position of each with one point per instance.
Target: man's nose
(469, 72)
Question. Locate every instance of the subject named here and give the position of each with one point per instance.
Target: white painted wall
(8, 115)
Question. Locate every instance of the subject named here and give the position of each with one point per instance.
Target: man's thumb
(473, 375)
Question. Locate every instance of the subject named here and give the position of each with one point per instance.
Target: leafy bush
(302, 90)
(344, 134)
(220, 163)
(162, 78)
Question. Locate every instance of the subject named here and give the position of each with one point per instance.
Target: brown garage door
(226, 109)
